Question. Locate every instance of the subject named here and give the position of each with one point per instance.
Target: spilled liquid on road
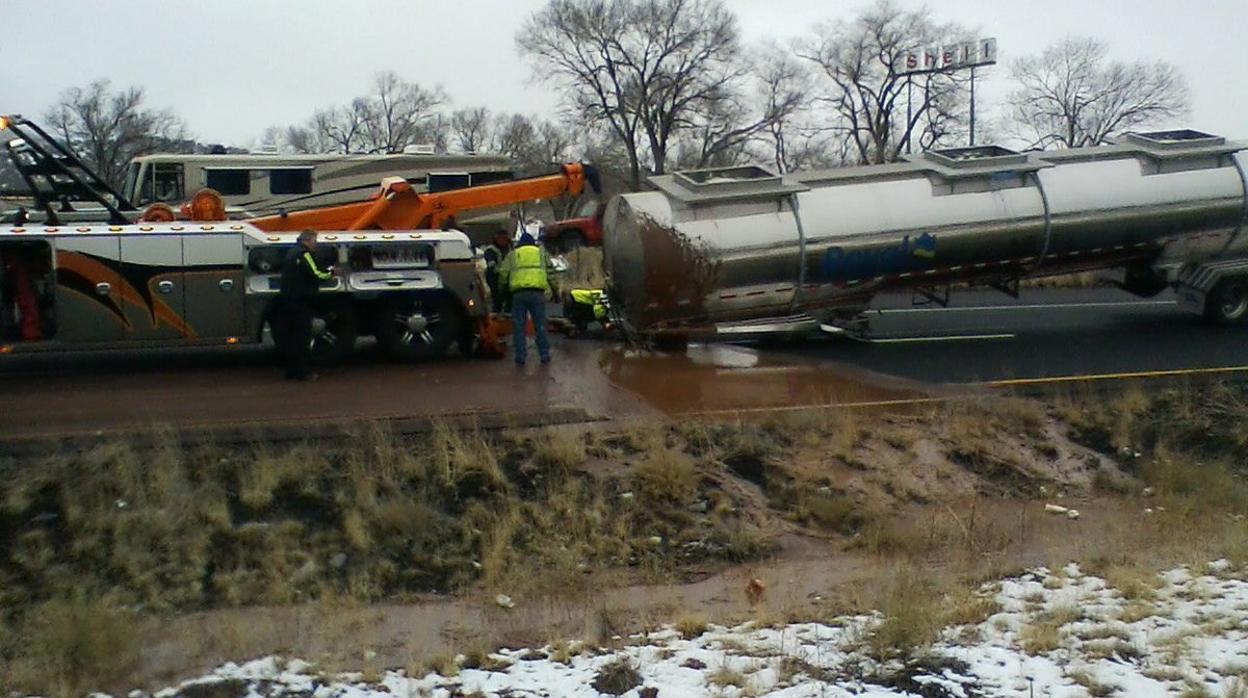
(719, 377)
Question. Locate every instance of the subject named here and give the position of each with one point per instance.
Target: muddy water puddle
(724, 378)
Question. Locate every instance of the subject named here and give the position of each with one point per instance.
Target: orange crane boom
(400, 207)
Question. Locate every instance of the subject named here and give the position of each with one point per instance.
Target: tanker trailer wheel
(419, 325)
(1227, 303)
(335, 326)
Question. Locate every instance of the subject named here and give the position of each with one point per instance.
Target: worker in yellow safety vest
(523, 272)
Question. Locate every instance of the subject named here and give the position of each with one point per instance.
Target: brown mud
(242, 391)
(724, 378)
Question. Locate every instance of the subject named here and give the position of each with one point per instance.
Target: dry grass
(1112, 649)
(1133, 583)
(845, 430)
(836, 512)
(912, 615)
(690, 625)
(1045, 633)
(666, 476)
(560, 451)
(617, 677)
(726, 676)
(442, 665)
(1094, 688)
(1040, 637)
(1137, 611)
(384, 517)
(562, 651)
(1163, 673)
(967, 606)
(75, 647)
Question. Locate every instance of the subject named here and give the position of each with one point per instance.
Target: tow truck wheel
(335, 326)
(418, 326)
(1228, 301)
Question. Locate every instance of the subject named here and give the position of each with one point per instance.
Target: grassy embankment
(95, 547)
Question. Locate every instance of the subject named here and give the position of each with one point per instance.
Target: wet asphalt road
(987, 336)
(984, 336)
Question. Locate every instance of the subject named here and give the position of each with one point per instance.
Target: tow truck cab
(586, 229)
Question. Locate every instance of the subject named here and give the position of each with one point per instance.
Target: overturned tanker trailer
(739, 251)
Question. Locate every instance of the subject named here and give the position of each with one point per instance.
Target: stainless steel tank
(742, 244)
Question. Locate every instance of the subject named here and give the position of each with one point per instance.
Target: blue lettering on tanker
(909, 255)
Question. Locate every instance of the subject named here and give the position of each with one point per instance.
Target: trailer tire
(1227, 303)
(418, 326)
(335, 327)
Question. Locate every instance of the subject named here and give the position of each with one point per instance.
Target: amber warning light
(4, 122)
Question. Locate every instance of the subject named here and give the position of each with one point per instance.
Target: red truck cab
(585, 229)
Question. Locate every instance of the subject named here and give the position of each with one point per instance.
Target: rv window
(479, 178)
(228, 182)
(446, 181)
(290, 181)
(164, 183)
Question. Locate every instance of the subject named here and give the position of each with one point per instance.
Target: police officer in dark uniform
(301, 280)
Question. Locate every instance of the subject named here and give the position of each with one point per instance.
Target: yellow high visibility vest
(529, 272)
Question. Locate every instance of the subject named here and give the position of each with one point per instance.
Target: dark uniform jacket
(301, 275)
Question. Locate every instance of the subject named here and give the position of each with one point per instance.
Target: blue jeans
(529, 303)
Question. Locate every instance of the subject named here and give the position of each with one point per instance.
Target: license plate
(401, 256)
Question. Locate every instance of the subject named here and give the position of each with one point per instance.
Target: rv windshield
(161, 181)
(132, 178)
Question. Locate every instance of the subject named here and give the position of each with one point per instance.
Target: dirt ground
(929, 510)
(810, 575)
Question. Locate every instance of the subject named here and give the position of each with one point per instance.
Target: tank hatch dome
(724, 183)
(1178, 144)
(1177, 138)
(976, 160)
(977, 156)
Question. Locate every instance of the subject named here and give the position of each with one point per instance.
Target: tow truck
(417, 288)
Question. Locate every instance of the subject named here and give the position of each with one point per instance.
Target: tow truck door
(154, 295)
(214, 284)
(89, 306)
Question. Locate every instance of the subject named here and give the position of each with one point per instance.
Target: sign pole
(972, 105)
(967, 55)
(909, 110)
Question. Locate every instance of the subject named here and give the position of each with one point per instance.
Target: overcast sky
(232, 67)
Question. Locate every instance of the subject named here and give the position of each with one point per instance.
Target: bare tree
(876, 107)
(737, 118)
(397, 114)
(1071, 96)
(643, 69)
(340, 129)
(470, 128)
(108, 128)
(536, 146)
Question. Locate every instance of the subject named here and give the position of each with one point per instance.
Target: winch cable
(1048, 224)
(801, 253)
(1243, 214)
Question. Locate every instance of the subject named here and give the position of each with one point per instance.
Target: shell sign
(968, 54)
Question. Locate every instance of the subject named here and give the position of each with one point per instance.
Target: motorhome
(265, 184)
